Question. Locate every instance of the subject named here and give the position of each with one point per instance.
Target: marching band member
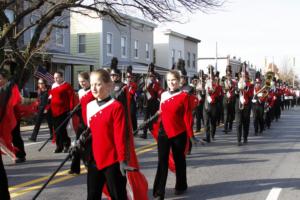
(191, 91)
(200, 92)
(85, 96)
(175, 129)
(152, 92)
(121, 93)
(258, 101)
(132, 87)
(106, 120)
(228, 100)
(43, 110)
(245, 93)
(210, 106)
(62, 98)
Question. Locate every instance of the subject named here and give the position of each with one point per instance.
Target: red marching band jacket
(271, 98)
(153, 90)
(107, 124)
(213, 93)
(230, 93)
(63, 98)
(14, 111)
(132, 88)
(260, 96)
(247, 94)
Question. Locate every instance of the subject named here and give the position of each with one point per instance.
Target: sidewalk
(30, 127)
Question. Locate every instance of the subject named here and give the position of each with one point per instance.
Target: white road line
(33, 143)
(274, 194)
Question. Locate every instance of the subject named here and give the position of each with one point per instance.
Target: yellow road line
(65, 176)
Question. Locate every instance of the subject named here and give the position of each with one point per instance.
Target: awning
(71, 59)
(138, 68)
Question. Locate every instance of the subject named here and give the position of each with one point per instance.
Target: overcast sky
(253, 30)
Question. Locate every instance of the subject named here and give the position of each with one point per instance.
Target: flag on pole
(41, 72)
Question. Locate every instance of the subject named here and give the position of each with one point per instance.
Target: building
(170, 46)
(103, 38)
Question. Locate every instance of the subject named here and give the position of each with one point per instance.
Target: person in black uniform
(210, 106)
(151, 90)
(132, 87)
(43, 110)
(228, 100)
(244, 95)
(258, 106)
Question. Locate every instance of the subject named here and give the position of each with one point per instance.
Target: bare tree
(13, 29)
(287, 73)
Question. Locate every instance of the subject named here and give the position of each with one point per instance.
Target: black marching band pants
(3, 182)
(258, 115)
(62, 138)
(111, 175)
(198, 113)
(41, 115)
(133, 112)
(178, 145)
(18, 141)
(151, 109)
(228, 114)
(242, 122)
(210, 121)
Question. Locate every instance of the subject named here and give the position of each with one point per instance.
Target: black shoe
(245, 141)
(225, 131)
(240, 144)
(32, 139)
(20, 160)
(73, 172)
(57, 150)
(179, 192)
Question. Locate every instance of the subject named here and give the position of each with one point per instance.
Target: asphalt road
(268, 167)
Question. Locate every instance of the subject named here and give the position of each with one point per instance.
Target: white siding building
(170, 46)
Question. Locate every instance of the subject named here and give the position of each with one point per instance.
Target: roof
(180, 35)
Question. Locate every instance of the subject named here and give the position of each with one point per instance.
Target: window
(173, 56)
(154, 56)
(33, 20)
(123, 46)
(109, 38)
(188, 59)
(147, 51)
(81, 43)
(136, 49)
(194, 60)
(179, 54)
(59, 35)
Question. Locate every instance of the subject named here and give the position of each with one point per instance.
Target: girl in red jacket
(106, 120)
(176, 120)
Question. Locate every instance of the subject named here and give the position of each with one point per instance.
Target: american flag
(41, 72)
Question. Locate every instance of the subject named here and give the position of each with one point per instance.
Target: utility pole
(216, 56)
(294, 67)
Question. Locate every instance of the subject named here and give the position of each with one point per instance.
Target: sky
(251, 30)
